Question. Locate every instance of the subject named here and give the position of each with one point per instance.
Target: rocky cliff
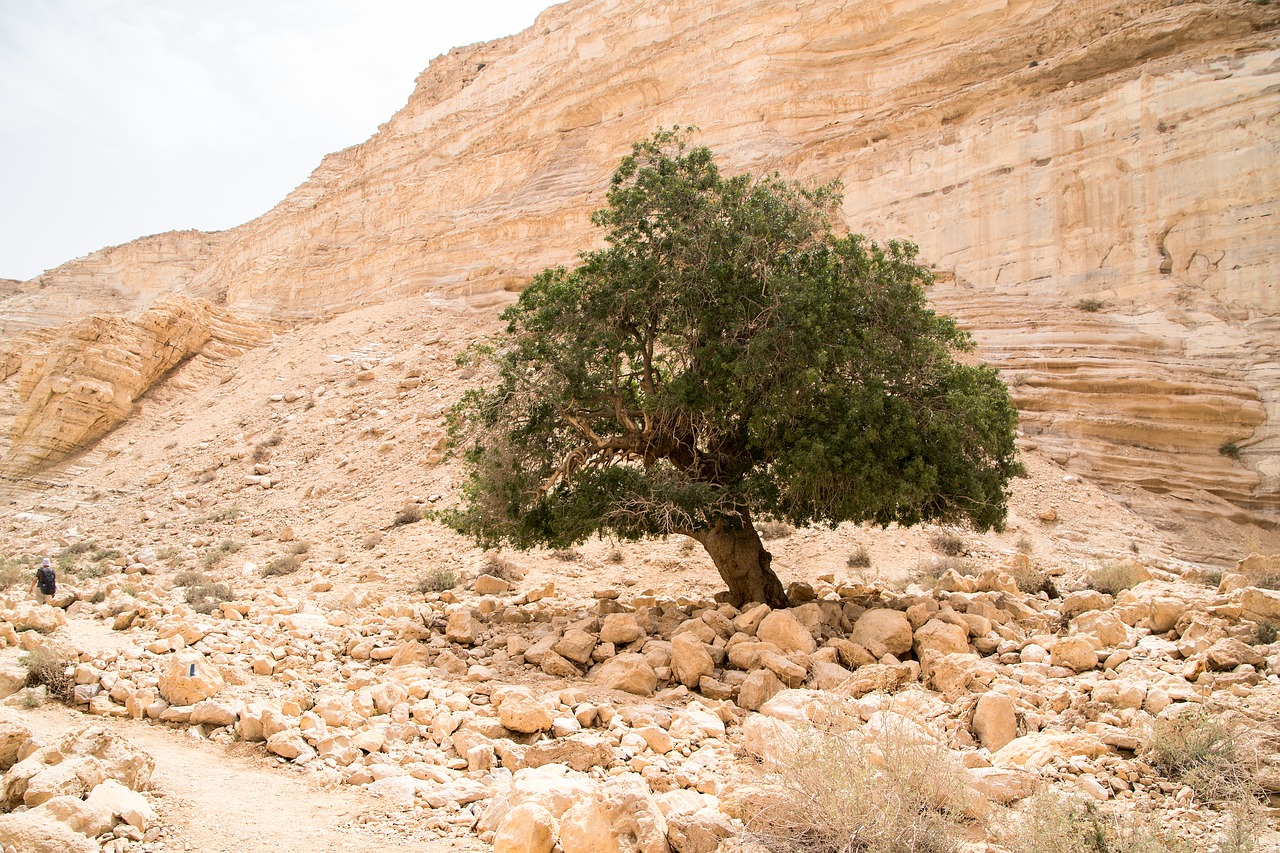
(1098, 177)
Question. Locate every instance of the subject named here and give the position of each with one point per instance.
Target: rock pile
(79, 794)
(620, 722)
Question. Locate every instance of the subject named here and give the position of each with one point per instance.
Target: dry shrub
(774, 530)
(830, 792)
(1114, 577)
(1262, 572)
(1090, 306)
(615, 556)
(438, 580)
(49, 667)
(947, 542)
(285, 565)
(859, 557)
(205, 597)
(215, 555)
(1263, 634)
(1030, 579)
(189, 578)
(1206, 753)
(501, 567)
(11, 572)
(927, 572)
(1051, 822)
(410, 513)
(565, 555)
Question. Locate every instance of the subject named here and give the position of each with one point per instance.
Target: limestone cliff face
(1122, 153)
(68, 387)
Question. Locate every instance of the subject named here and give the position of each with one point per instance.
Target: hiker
(45, 583)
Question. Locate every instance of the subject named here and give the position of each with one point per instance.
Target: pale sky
(122, 118)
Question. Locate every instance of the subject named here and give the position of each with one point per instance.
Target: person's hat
(46, 562)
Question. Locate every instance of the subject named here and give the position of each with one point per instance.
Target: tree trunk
(743, 563)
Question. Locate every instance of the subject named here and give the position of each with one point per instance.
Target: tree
(727, 357)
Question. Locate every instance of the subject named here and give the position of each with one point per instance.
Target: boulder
(759, 687)
(880, 677)
(1034, 751)
(690, 660)
(521, 712)
(576, 645)
(527, 828)
(189, 678)
(941, 637)
(1076, 653)
(13, 736)
(1084, 601)
(553, 786)
(620, 629)
(882, 631)
(128, 805)
(462, 628)
(82, 816)
(622, 817)
(73, 765)
(1105, 628)
(1227, 654)
(995, 721)
(698, 832)
(39, 831)
(785, 631)
(630, 672)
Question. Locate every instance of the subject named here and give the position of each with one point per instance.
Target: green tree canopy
(727, 357)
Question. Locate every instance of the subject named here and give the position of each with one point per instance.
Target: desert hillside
(1097, 180)
(231, 444)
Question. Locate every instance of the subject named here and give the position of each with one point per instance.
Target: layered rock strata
(1122, 153)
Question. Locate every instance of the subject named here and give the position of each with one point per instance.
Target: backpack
(46, 580)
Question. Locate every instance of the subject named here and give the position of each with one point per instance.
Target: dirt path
(237, 799)
(215, 799)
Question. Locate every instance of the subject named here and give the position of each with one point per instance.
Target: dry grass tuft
(438, 580)
(285, 565)
(1051, 822)
(49, 667)
(1115, 577)
(859, 558)
(206, 597)
(948, 543)
(774, 530)
(827, 791)
(501, 567)
(1206, 753)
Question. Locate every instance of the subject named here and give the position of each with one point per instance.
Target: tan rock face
(188, 679)
(1043, 161)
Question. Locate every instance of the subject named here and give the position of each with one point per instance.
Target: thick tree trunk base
(743, 563)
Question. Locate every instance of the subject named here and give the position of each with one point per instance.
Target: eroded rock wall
(66, 388)
(1119, 152)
